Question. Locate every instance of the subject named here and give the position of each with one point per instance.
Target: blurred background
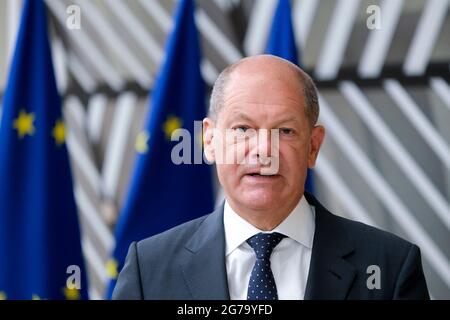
(382, 69)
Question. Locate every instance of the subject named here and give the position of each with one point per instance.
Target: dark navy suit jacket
(188, 262)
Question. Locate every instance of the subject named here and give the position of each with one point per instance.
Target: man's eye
(240, 129)
(286, 131)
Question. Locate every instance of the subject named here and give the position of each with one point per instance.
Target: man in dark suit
(269, 239)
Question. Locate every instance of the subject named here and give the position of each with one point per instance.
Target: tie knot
(264, 243)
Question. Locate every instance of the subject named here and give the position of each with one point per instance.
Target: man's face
(263, 129)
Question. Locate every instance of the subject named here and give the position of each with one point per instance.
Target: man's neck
(264, 219)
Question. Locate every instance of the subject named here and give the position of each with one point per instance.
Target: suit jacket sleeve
(128, 286)
(411, 283)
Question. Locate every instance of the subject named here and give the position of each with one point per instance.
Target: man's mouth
(261, 172)
(256, 175)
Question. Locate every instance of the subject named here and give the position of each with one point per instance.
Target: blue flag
(40, 249)
(164, 193)
(282, 44)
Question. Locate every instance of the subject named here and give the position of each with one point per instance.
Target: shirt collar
(299, 225)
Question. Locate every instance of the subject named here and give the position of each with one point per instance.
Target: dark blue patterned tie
(262, 284)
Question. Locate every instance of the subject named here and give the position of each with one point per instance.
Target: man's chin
(262, 201)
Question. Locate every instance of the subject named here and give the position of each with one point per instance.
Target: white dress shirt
(290, 258)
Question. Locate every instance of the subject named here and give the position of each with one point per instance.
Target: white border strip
(427, 32)
(158, 13)
(423, 126)
(60, 64)
(137, 30)
(209, 72)
(304, 12)
(336, 40)
(116, 45)
(94, 260)
(80, 73)
(216, 37)
(442, 89)
(117, 143)
(95, 116)
(87, 46)
(164, 20)
(83, 161)
(77, 152)
(404, 160)
(92, 216)
(255, 41)
(377, 46)
(385, 192)
(13, 9)
(331, 179)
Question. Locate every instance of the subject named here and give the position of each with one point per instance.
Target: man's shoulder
(371, 239)
(361, 234)
(371, 234)
(367, 251)
(172, 238)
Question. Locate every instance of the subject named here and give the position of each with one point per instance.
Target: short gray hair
(309, 92)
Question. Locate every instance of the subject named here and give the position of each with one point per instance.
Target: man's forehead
(268, 115)
(267, 78)
(242, 114)
(263, 89)
(257, 73)
(263, 63)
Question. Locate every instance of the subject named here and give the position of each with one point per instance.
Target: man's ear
(317, 137)
(208, 136)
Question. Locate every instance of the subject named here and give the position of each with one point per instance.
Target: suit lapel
(205, 270)
(330, 275)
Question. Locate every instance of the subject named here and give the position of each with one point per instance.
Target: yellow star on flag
(141, 144)
(72, 294)
(59, 132)
(111, 268)
(24, 124)
(172, 123)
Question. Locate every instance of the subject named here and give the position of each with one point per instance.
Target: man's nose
(264, 146)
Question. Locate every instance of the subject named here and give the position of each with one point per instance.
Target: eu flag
(164, 192)
(40, 250)
(282, 44)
